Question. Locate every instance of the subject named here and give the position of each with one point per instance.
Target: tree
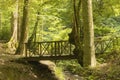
(0, 21)
(75, 37)
(89, 50)
(14, 26)
(24, 27)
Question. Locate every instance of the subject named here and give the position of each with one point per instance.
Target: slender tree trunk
(89, 51)
(75, 36)
(14, 24)
(0, 21)
(78, 46)
(19, 29)
(24, 27)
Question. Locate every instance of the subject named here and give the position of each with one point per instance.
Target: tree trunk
(24, 27)
(14, 25)
(0, 21)
(19, 29)
(89, 51)
(75, 36)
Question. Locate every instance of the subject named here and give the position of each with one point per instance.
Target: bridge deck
(66, 57)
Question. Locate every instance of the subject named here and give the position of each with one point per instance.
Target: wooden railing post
(55, 48)
(70, 48)
(25, 44)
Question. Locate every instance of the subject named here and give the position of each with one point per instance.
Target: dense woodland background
(24, 21)
(56, 18)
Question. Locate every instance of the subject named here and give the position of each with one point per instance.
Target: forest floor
(108, 68)
(12, 68)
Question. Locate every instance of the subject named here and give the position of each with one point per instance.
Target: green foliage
(59, 73)
(55, 19)
(107, 69)
(108, 27)
(106, 17)
(5, 33)
(111, 70)
(71, 66)
(103, 31)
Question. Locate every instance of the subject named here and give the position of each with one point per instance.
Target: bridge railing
(64, 48)
(107, 45)
(49, 48)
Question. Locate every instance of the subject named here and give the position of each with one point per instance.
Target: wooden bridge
(50, 50)
(62, 50)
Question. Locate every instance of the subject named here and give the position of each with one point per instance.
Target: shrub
(5, 33)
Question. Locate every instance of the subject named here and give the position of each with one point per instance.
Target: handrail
(63, 47)
(51, 48)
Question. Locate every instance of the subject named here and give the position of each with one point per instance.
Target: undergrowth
(108, 67)
(59, 73)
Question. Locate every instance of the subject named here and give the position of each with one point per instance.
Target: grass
(108, 67)
(59, 73)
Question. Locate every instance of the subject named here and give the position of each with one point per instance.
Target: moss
(59, 73)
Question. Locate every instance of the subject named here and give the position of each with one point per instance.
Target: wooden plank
(66, 57)
(50, 41)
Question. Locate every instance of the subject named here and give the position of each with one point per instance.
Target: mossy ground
(108, 68)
